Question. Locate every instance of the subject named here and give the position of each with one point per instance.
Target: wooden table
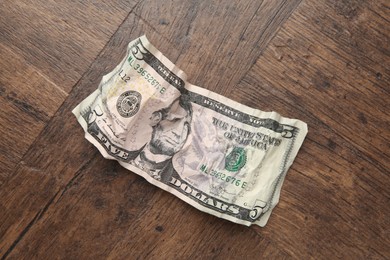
(324, 62)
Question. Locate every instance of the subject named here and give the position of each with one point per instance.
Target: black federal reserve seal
(128, 103)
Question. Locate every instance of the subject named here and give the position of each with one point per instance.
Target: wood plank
(61, 39)
(28, 100)
(334, 200)
(172, 229)
(219, 41)
(108, 212)
(361, 32)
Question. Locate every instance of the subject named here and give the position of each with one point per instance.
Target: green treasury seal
(235, 160)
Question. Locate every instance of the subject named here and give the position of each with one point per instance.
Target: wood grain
(217, 55)
(326, 63)
(311, 72)
(25, 111)
(61, 39)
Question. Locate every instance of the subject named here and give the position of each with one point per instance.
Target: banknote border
(288, 155)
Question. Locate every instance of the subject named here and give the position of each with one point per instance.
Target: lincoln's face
(171, 130)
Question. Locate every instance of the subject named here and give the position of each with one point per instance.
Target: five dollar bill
(220, 156)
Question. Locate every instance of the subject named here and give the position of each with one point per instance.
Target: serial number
(144, 73)
(222, 176)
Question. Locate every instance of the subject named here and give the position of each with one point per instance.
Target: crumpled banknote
(218, 155)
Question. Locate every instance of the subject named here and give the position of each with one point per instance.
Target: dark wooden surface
(325, 62)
